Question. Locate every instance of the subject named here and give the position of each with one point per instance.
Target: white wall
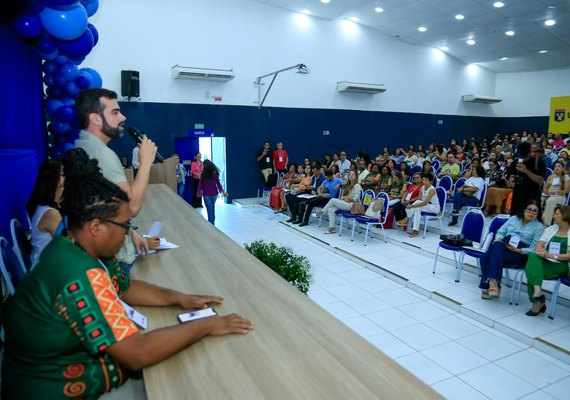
(528, 94)
(254, 39)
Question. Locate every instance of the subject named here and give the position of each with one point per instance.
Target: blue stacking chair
(481, 200)
(472, 229)
(429, 216)
(565, 280)
(435, 164)
(381, 220)
(446, 182)
(12, 270)
(367, 197)
(496, 224)
(547, 173)
(22, 246)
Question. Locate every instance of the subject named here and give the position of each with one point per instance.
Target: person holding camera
(528, 172)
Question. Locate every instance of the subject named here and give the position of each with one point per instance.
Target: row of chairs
(472, 229)
(15, 260)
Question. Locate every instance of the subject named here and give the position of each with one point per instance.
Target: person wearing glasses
(70, 327)
(514, 241)
(550, 259)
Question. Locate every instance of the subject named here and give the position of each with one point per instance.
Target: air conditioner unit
(218, 75)
(475, 98)
(370, 88)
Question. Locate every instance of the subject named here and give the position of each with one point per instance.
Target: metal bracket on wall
(300, 69)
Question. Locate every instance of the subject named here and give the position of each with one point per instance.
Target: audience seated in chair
(550, 259)
(327, 190)
(428, 202)
(554, 192)
(514, 241)
(293, 200)
(469, 194)
(409, 195)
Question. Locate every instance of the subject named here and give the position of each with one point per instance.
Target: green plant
(294, 268)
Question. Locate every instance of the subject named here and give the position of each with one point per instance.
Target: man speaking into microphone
(101, 121)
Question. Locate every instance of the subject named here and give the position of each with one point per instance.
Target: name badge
(267, 159)
(280, 158)
(515, 240)
(556, 181)
(134, 315)
(408, 196)
(554, 247)
(487, 180)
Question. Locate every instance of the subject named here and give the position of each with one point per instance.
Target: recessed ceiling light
(543, 51)
(498, 4)
(459, 17)
(471, 42)
(444, 48)
(549, 22)
(306, 12)
(510, 33)
(325, 1)
(504, 58)
(379, 9)
(354, 19)
(422, 29)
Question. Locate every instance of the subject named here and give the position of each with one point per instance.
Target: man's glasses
(532, 210)
(127, 227)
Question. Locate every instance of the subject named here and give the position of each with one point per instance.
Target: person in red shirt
(280, 158)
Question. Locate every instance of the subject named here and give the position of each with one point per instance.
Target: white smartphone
(194, 315)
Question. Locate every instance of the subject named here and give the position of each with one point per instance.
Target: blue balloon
(56, 152)
(68, 146)
(52, 105)
(50, 68)
(79, 47)
(77, 61)
(68, 101)
(72, 89)
(61, 59)
(94, 78)
(64, 113)
(48, 56)
(49, 80)
(91, 6)
(60, 80)
(35, 6)
(59, 140)
(28, 25)
(62, 4)
(56, 92)
(82, 82)
(95, 33)
(69, 71)
(65, 24)
(59, 127)
(46, 45)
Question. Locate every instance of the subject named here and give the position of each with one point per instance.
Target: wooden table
(297, 350)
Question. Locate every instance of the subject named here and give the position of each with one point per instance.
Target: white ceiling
(483, 22)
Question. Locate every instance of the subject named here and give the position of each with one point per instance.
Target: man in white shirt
(469, 194)
(362, 171)
(343, 166)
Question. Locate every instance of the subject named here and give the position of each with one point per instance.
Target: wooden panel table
(297, 350)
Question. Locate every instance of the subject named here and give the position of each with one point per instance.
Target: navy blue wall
(301, 131)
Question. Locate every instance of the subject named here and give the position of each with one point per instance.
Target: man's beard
(111, 132)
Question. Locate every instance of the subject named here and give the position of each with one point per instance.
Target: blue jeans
(493, 260)
(210, 202)
(460, 200)
(181, 189)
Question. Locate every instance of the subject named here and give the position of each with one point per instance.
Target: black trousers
(399, 211)
(306, 207)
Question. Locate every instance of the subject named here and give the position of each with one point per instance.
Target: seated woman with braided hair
(67, 327)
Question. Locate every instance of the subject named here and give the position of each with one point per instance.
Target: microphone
(138, 136)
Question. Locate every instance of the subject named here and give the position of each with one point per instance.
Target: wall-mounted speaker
(130, 86)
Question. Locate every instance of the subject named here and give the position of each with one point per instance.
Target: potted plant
(294, 268)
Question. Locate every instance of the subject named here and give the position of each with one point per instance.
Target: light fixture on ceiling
(379, 9)
(459, 17)
(498, 4)
(444, 48)
(354, 19)
(543, 51)
(422, 29)
(510, 33)
(471, 42)
(549, 22)
(504, 58)
(306, 11)
(325, 1)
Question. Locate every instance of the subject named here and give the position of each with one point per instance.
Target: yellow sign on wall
(559, 121)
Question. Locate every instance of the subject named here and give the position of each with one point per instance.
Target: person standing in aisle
(196, 169)
(210, 186)
(264, 159)
(280, 159)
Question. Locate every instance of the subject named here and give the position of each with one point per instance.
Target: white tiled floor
(459, 356)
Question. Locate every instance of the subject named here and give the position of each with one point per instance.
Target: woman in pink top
(196, 168)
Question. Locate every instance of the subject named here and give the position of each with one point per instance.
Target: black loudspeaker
(130, 84)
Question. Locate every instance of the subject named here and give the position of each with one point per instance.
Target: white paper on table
(165, 244)
(155, 229)
(306, 196)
